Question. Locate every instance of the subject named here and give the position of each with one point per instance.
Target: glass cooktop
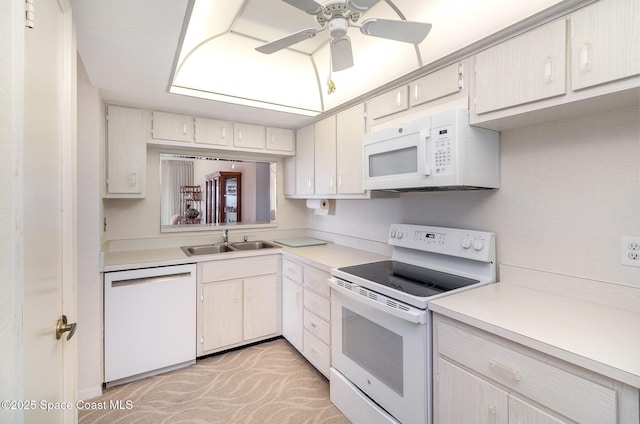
(410, 279)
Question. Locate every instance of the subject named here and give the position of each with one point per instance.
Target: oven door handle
(414, 315)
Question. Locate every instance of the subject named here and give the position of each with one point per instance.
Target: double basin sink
(210, 249)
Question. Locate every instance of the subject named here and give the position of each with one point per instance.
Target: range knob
(399, 235)
(393, 234)
(478, 244)
(466, 243)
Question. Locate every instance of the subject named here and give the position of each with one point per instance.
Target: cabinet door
(171, 126)
(605, 42)
(248, 136)
(281, 140)
(524, 69)
(260, 306)
(521, 412)
(126, 152)
(325, 156)
(388, 103)
(221, 314)
(214, 132)
(289, 175)
(464, 398)
(305, 160)
(292, 312)
(350, 128)
(441, 83)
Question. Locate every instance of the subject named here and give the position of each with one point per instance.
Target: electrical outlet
(630, 251)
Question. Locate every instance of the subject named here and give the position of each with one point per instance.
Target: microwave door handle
(425, 135)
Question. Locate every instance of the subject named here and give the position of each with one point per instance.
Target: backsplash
(570, 190)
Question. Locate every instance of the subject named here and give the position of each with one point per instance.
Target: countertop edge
(449, 307)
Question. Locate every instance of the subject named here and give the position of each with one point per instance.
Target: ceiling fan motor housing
(338, 27)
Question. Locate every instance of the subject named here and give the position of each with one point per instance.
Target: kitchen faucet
(225, 236)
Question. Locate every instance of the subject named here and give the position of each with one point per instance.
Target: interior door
(48, 212)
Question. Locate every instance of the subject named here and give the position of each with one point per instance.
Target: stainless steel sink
(207, 249)
(211, 249)
(252, 245)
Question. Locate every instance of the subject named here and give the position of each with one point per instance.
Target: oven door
(382, 352)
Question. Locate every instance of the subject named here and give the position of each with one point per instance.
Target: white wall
(569, 191)
(11, 262)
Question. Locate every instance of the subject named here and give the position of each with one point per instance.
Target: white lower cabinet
(239, 302)
(306, 312)
(483, 378)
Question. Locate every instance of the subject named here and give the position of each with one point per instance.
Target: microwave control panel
(443, 149)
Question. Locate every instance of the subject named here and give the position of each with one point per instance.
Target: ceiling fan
(338, 16)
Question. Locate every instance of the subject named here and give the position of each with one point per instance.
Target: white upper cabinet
(394, 101)
(304, 163)
(126, 152)
(248, 136)
(325, 156)
(214, 132)
(441, 83)
(281, 139)
(172, 126)
(605, 42)
(350, 128)
(524, 69)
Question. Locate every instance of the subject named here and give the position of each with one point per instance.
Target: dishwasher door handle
(149, 280)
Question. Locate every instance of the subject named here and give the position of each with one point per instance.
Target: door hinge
(29, 19)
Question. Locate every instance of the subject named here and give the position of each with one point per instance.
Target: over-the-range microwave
(438, 152)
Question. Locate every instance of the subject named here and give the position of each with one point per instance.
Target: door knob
(62, 327)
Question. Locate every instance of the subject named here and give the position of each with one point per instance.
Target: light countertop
(601, 338)
(325, 256)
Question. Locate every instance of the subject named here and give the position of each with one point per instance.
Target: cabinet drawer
(568, 394)
(318, 327)
(292, 270)
(232, 269)
(318, 353)
(317, 280)
(317, 304)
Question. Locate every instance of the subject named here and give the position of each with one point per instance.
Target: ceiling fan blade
(287, 41)
(361, 5)
(405, 31)
(341, 54)
(309, 6)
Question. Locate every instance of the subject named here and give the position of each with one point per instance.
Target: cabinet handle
(239, 134)
(309, 182)
(340, 181)
(149, 280)
(331, 182)
(224, 132)
(505, 370)
(493, 415)
(184, 128)
(133, 179)
(415, 92)
(585, 57)
(399, 98)
(548, 69)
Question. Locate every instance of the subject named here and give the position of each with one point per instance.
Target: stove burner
(410, 279)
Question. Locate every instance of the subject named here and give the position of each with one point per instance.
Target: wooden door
(49, 233)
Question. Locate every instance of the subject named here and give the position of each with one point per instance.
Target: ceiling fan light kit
(338, 16)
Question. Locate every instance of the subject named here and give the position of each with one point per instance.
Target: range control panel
(470, 244)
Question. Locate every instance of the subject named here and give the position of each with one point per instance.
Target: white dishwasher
(149, 321)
